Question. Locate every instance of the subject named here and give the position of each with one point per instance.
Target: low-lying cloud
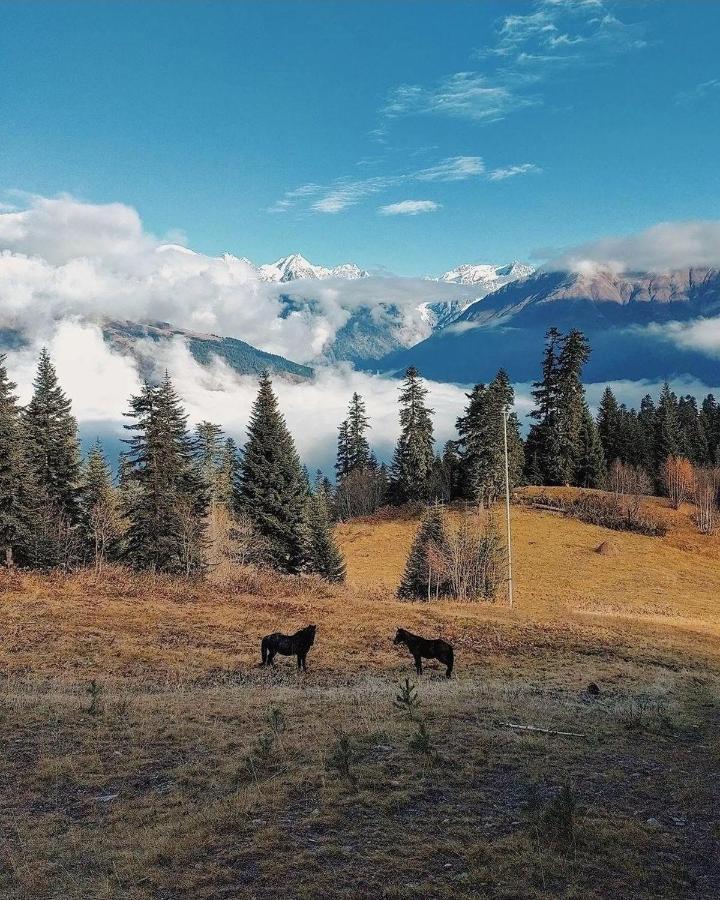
(61, 258)
(100, 382)
(661, 248)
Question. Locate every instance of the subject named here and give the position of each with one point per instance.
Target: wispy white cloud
(702, 91)
(409, 208)
(512, 171)
(343, 194)
(455, 168)
(528, 49)
(466, 95)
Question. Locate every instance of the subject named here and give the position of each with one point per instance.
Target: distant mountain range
(634, 323)
(639, 324)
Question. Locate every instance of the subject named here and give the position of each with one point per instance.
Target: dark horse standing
(296, 644)
(422, 648)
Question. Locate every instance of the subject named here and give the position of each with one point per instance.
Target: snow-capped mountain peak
(295, 266)
(484, 277)
(487, 274)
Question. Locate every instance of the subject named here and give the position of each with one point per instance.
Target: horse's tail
(264, 650)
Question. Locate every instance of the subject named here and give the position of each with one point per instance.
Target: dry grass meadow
(145, 754)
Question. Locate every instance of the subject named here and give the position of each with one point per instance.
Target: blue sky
(405, 136)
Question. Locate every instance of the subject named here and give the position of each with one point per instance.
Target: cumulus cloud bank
(66, 265)
(661, 248)
(61, 258)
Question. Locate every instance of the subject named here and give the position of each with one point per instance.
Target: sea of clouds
(65, 265)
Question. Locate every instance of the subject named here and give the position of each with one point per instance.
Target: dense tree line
(58, 510)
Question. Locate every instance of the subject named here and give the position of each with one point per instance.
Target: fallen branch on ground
(541, 730)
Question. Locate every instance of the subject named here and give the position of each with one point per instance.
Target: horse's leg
(271, 657)
(299, 661)
(304, 662)
(418, 664)
(449, 662)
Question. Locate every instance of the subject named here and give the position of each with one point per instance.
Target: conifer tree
(414, 458)
(544, 449)
(357, 424)
(324, 556)
(481, 445)
(695, 444)
(99, 506)
(573, 414)
(271, 488)
(555, 444)
(52, 443)
(342, 463)
(590, 466)
(167, 507)
(710, 419)
(668, 437)
(610, 427)
(14, 473)
(423, 577)
(646, 425)
(208, 450)
(323, 489)
(228, 473)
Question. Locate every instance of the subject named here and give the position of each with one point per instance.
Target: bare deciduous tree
(679, 478)
(625, 479)
(707, 482)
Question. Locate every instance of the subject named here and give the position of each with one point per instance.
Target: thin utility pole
(506, 413)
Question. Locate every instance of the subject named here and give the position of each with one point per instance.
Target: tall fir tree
(414, 459)
(324, 556)
(228, 473)
(695, 444)
(563, 430)
(208, 447)
(342, 462)
(590, 471)
(99, 506)
(167, 507)
(573, 415)
(358, 448)
(15, 474)
(52, 442)
(271, 488)
(668, 436)
(610, 427)
(646, 419)
(543, 450)
(481, 446)
(424, 577)
(710, 418)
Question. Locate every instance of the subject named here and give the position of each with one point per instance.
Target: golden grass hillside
(145, 754)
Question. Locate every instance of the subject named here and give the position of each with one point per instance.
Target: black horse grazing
(296, 644)
(422, 648)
